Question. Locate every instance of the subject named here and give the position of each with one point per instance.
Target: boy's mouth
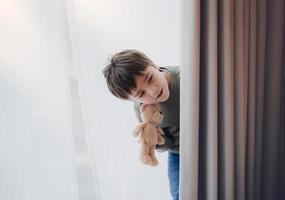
(160, 93)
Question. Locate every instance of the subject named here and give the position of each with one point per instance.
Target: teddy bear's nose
(160, 112)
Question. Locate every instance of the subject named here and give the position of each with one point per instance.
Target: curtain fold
(226, 101)
(232, 108)
(208, 109)
(251, 106)
(260, 66)
(190, 31)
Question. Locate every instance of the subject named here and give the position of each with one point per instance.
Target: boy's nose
(153, 91)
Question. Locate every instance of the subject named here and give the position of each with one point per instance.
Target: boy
(133, 76)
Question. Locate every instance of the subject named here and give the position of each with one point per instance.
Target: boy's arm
(168, 141)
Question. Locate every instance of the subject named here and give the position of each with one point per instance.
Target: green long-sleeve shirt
(170, 110)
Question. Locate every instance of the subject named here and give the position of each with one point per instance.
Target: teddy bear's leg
(145, 155)
(153, 157)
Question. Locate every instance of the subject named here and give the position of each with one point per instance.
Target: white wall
(35, 141)
(43, 45)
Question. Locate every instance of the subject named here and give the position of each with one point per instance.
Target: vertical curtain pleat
(260, 66)
(226, 101)
(239, 96)
(272, 98)
(281, 183)
(251, 109)
(208, 126)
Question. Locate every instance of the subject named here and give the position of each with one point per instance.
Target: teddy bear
(149, 134)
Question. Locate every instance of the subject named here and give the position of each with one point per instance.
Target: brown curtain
(232, 100)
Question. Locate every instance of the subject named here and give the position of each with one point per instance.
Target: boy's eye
(142, 94)
(150, 79)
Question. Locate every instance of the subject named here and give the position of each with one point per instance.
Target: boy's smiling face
(152, 86)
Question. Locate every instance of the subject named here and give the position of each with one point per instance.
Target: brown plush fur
(149, 134)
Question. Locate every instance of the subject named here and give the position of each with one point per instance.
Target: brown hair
(120, 73)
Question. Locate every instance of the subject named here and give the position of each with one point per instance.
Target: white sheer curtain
(63, 136)
(101, 28)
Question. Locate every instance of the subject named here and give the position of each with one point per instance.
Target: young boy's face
(152, 86)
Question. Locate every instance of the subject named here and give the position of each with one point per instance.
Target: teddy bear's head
(151, 113)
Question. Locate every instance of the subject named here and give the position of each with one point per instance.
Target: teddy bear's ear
(142, 107)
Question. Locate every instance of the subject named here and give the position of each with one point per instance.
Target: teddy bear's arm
(160, 131)
(138, 129)
(160, 139)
